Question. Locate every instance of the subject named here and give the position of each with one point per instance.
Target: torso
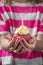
(31, 15)
(18, 12)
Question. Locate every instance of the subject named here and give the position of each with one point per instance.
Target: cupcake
(23, 31)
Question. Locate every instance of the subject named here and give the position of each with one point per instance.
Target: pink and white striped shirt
(11, 17)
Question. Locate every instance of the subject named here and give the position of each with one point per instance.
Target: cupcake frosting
(22, 30)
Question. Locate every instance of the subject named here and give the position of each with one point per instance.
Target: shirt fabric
(11, 17)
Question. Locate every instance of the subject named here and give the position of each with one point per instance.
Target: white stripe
(4, 32)
(7, 60)
(24, 16)
(1, 4)
(33, 31)
(17, 16)
(27, 4)
(20, 16)
(41, 4)
(2, 22)
(38, 15)
(34, 61)
(18, 61)
(20, 4)
(12, 30)
(24, 4)
(40, 32)
(5, 16)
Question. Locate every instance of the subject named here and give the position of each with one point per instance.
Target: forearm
(5, 41)
(39, 43)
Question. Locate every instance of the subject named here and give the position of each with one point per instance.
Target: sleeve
(40, 27)
(4, 26)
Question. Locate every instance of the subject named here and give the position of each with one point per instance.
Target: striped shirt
(11, 17)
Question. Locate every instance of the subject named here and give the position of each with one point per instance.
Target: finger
(15, 51)
(11, 43)
(11, 49)
(9, 36)
(22, 50)
(31, 41)
(15, 35)
(25, 43)
(21, 45)
(19, 49)
(29, 46)
(17, 42)
(24, 47)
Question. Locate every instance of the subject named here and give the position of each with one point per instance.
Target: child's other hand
(27, 37)
(12, 42)
(3, 1)
(17, 44)
(5, 41)
(21, 47)
(29, 46)
(26, 46)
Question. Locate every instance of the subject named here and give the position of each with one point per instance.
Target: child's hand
(5, 41)
(21, 47)
(26, 46)
(17, 44)
(27, 37)
(10, 43)
(3, 1)
(14, 43)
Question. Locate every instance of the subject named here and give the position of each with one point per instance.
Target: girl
(10, 19)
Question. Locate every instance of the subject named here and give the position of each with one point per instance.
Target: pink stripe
(17, 9)
(5, 27)
(14, 23)
(31, 23)
(0, 52)
(40, 28)
(41, 9)
(42, 53)
(26, 55)
(28, 23)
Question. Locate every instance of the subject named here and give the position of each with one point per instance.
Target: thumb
(11, 43)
